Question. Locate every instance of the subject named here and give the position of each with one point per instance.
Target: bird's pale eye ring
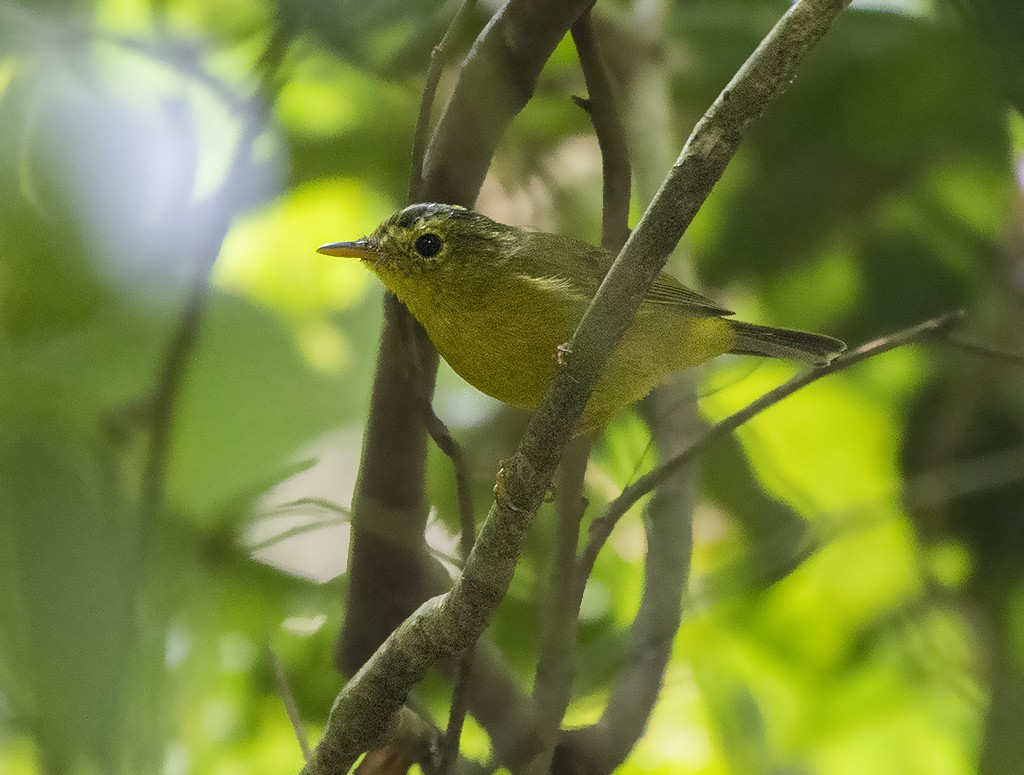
(428, 245)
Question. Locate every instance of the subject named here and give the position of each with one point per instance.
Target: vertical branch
(671, 414)
(552, 683)
(602, 747)
(388, 573)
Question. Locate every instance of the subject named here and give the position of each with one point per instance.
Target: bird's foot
(551, 494)
(562, 353)
(501, 493)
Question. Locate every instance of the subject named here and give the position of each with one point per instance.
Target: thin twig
(310, 503)
(456, 712)
(602, 527)
(611, 135)
(1007, 356)
(368, 704)
(442, 437)
(183, 341)
(434, 71)
(444, 440)
(552, 682)
(673, 419)
(290, 705)
(668, 527)
(552, 687)
(450, 743)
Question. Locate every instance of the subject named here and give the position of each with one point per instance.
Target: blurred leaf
(999, 25)
(390, 37)
(846, 144)
(250, 399)
(69, 577)
(793, 446)
(825, 632)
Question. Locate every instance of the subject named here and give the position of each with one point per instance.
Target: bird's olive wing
(581, 267)
(666, 288)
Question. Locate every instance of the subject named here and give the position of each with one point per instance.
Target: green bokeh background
(856, 603)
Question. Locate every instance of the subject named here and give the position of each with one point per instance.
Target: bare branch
(552, 687)
(552, 683)
(456, 712)
(494, 84)
(389, 573)
(976, 348)
(438, 59)
(671, 414)
(668, 522)
(611, 135)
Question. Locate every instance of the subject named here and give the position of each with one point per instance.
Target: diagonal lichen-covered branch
(366, 707)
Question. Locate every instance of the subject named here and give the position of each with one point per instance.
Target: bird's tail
(817, 349)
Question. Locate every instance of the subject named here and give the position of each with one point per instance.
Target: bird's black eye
(428, 245)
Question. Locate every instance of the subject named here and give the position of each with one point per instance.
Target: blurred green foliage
(855, 602)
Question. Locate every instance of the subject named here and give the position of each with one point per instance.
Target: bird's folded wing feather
(668, 290)
(544, 264)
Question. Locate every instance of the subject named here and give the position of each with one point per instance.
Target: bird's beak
(364, 249)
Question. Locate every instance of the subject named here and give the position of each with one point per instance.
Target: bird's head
(426, 247)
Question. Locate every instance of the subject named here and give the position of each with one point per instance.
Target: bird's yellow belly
(510, 354)
(500, 350)
(661, 341)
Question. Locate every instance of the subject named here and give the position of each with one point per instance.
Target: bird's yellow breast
(504, 343)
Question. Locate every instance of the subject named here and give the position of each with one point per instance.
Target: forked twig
(616, 169)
